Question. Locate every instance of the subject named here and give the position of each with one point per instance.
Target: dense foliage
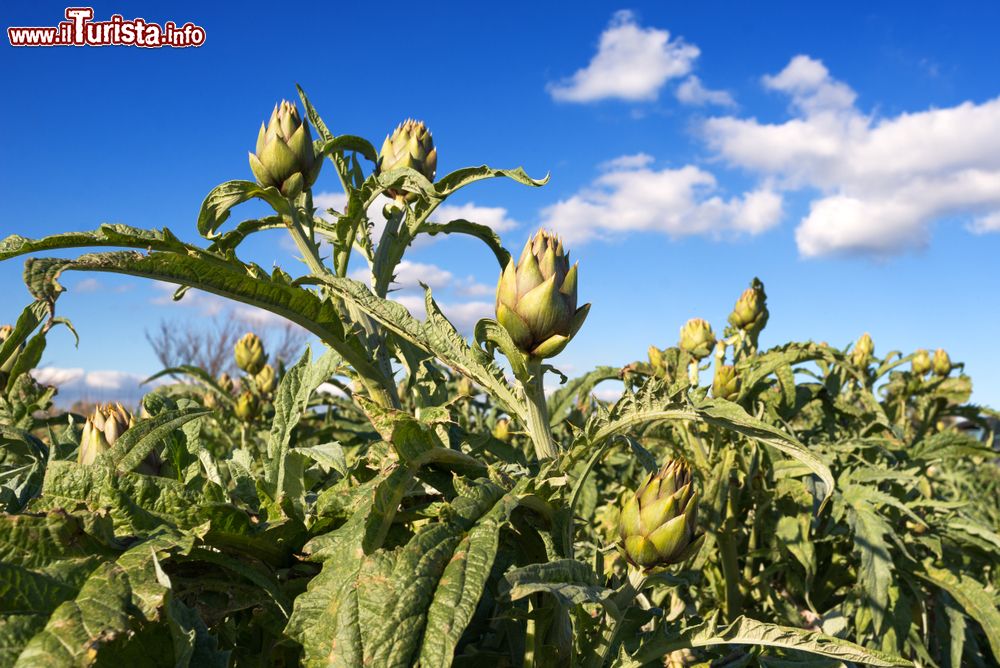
(410, 497)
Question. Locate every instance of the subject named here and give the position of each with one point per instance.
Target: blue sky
(846, 153)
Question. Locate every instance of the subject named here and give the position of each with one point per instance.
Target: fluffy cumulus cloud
(95, 385)
(692, 91)
(880, 183)
(632, 63)
(632, 196)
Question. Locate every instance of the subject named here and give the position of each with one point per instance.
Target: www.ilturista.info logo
(79, 29)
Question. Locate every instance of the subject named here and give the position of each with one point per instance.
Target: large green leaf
(746, 631)
(393, 608)
(977, 602)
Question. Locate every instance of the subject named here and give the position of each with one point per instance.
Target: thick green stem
(538, 413)
(730, 565)
(382, 393)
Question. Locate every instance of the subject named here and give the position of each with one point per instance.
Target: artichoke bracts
(750, 313)
(102, 430)
(863, 350)
(942, 363)
(249, 354)
(410, 145)
(725, 384)
(247, 406)
(697, 338)
(658, 522)
(265, 379)
(284, 156)
(536, 298)
(921, 363)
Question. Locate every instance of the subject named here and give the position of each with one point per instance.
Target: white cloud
(632, 63)
(882, 182)
(88, 285)
(76, 378)
(985, 224)
(635, 161)
(495, 217)
(51, 375)
(676, 202)
(463, 315)
(693, 92)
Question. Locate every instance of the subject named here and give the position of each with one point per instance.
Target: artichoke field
(407, 496)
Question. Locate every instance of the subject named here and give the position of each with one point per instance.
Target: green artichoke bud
(697, 338)
(725, 384)
(536, 298)
(7, 365)
(750, 313)
(410, 145)
(265, 379)
(465, 387)
(658, 522)
(863, 350)
(284, 156)
(226, 383)
(501, 430)
(249, 353)
(101, 431)
(942, 363)
(921, 363)
(247, 406)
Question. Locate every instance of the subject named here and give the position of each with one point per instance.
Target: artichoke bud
(536, 298)
(247, 406)
(921, 362)
(226, 383)
(249, 353)
(942, 363)
(101, 431)
(265, 379)
(501, 430)
(697, 338)
(863, 350)
(8, 364)
(750, 313)
(465, 387)
(658, 522)
(409, 145)
(284, 156)
(725, 384)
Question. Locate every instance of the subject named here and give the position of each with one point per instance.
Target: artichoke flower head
(284, 156)
(536, 298)
(101, 431)
(658, 522)
(410, 145)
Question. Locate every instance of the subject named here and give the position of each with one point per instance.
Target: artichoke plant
(284, 156)
(101, 431)
(265, 379)
(750, 313)
(501, 430)
(863, 350)
(536, 298)
(410, 145)
(942, 363)
(8, 364)
(725, 384)
(247, 406)
(697, 338)
(249, 353)
(658, 522)
(921, 363)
